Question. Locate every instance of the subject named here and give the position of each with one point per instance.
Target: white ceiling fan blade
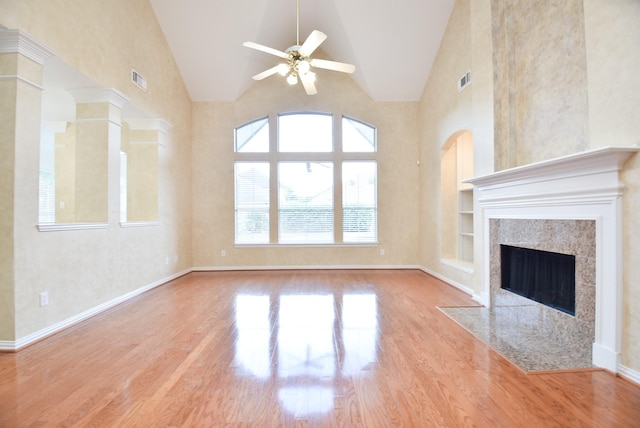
(333, 65)
(313, 41)
(307, 82)
(269, 72)
(266, 49)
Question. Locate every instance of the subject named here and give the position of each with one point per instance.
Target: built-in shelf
(457, 204)
(465, 224)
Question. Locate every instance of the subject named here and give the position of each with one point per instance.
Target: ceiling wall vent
(138, 80)
(464, 81)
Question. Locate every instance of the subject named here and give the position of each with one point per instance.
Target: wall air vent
(464, 81)
(138, 80)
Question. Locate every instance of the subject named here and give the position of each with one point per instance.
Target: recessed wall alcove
(572, 204)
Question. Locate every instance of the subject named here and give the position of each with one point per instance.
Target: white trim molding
(56, 227)
(303, 267)
(159, 125)
(99, 95)
(10, 345)
(451, 282)
(629, 374)
(581, 186)
(17, 41)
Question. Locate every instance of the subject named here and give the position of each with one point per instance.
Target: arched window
(315, 184)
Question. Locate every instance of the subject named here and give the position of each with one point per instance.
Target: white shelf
(465, 224)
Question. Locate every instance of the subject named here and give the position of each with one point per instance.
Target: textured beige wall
(8, 101)
(557, 84)
(65, 173)
(444, 113)
(82, 269)
(613, 53)
(213, 187)
(541, 80)
(141, 147)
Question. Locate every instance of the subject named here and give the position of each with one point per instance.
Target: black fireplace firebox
(546, 277)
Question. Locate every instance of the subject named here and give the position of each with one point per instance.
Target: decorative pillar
(97, 155)
(142, 141)
(21, 60)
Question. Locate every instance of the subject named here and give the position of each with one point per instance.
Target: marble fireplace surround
(581, 191)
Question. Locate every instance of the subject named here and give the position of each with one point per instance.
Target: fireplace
(570, 205)
(543, 276)
(572, 238)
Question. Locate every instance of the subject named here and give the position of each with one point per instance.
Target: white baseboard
(629, 374)
(455, 284)
(10, 345)
(302, 267)
(605, 358)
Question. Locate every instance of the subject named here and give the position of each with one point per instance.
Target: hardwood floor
(294, 348)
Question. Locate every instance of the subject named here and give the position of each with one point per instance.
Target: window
(305, 133)
(357, 136)
(305, 202)
(287, 191)
(253, 137)
(252, 202)
(359, 201)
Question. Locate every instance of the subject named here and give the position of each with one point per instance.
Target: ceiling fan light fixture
(283, 69)
(304, 66)
(292, 79)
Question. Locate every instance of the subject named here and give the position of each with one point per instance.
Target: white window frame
(336, 157)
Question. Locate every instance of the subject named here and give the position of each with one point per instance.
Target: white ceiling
(391, 43)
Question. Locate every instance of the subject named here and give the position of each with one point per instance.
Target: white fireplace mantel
(584, 186)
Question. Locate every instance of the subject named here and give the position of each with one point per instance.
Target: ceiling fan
(298, 61)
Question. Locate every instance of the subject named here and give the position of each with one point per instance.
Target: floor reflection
(254, 335)
(305, 337)
(359, 332)
(307, 341)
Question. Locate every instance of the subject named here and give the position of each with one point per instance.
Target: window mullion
(337, 179)
(273, 179)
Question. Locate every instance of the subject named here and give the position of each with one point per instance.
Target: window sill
(55, 227)
(139, 224)
(334, 245)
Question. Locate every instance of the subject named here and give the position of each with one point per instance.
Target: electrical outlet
(223, 253)
(44, 298)
(382, 251)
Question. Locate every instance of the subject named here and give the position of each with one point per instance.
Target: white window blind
(359, 212)
(305, 202)
(252, 202)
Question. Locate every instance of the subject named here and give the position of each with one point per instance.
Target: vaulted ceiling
(392, 43)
